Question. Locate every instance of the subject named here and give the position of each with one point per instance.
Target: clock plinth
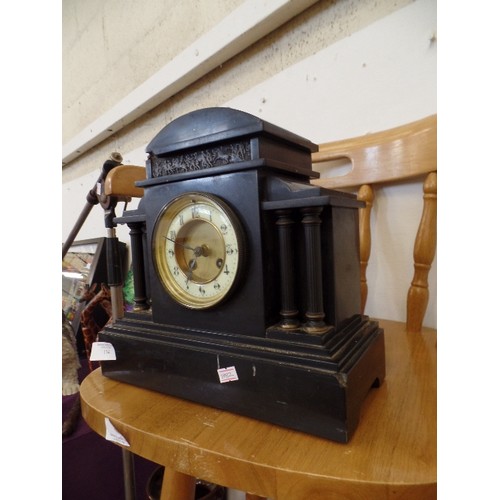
(247, 280)
(313, 384)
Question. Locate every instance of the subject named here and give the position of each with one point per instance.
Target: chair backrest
(404, 152)
(121, 180)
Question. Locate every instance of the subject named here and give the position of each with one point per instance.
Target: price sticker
(227, 374)
(102, 351)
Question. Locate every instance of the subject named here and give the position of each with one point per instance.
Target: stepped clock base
(317, 388)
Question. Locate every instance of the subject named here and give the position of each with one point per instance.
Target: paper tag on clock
(102, 351)
(227, 374)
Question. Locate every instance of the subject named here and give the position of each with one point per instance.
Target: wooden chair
(401, 153)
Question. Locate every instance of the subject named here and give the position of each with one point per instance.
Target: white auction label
(227, 374)
(112, 434)
(102, 351)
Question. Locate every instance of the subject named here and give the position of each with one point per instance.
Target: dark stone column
(315, 315)
(289, 312)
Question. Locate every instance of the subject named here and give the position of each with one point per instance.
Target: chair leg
(423, 256)
(177, 486)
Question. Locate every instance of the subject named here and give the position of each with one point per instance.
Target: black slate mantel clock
(246, 279)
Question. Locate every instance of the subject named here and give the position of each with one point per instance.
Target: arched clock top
(224, 137)
(210, 125)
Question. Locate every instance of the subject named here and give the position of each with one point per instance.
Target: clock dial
(197, 250)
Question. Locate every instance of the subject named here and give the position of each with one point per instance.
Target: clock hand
(201, 251)
(192, 266)
(180, 244)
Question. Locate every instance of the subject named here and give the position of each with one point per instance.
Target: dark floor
(92, 467)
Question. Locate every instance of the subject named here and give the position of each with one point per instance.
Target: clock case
(303, 354)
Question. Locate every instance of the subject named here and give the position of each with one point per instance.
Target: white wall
(104, 44)
(379, 76)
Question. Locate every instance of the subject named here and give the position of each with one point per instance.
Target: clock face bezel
(198, 250)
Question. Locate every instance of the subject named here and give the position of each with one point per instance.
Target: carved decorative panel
(199, 160)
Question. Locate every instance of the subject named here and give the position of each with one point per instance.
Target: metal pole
(114, 160)
(91, 201)
(128, 474)
(115, 280)
(115, 283)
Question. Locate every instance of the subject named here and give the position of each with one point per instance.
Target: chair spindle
(365, 194)
(423, 256)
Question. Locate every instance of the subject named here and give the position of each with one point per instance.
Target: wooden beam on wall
(247, 24)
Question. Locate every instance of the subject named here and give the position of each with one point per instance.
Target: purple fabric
(92, 466)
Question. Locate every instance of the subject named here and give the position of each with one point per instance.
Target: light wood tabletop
(391, 455)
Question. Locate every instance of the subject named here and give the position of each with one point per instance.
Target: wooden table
(391, 455)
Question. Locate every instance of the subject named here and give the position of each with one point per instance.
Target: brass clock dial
(197, 248)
